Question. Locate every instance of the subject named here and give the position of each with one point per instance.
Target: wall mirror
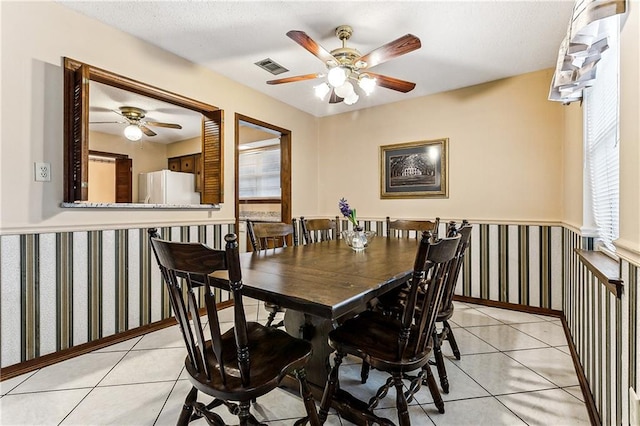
(129, 144)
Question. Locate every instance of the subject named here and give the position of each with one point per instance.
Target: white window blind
(260, 173)
(601, 142)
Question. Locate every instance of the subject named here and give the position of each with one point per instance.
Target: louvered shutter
(212, 165)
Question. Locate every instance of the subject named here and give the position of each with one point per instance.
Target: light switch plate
(42, 172)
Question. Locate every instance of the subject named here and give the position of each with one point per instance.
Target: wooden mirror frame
(77, 76)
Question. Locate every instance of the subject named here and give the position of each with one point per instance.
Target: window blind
(259, 173)
(601, 142)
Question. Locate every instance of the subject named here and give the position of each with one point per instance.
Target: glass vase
(357, 239)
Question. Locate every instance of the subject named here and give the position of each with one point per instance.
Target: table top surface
(327, 279)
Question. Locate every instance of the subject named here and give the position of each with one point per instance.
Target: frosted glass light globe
(351, 99)
(321, 90)
(132, 132)
(367, 84)
(344, 90)
(337, 76)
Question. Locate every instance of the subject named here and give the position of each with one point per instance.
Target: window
(601, 117)
(260, 173)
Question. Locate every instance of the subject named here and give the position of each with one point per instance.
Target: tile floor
(515, 370)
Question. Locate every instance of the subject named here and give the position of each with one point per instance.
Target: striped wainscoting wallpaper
(604, 331)
(67, 288)
(518, 264)
(62, 289)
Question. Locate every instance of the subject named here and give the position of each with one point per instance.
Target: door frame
(285, 166)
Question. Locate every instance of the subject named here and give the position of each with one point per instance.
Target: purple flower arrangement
(349, 213)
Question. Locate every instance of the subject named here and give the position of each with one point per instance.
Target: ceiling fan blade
(308, 43)
(296, 78)
(108, 122)
(333, 98)
(147, 131)
(168, 125)
(405, 44)
(392, 83)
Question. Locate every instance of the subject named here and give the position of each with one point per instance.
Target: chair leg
(309, 404)
(245, 417)
(272, 316)
(401, 401)
(433, 388)
(330, 388)
(452, 340)
(364, 372)
(187, 408)
(442, 371)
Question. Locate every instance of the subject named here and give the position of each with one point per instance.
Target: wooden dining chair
(391, 302)
(316, 230)
(446, 307)
(396, 345)
(239, 365)
(403, 228)
(267, 235)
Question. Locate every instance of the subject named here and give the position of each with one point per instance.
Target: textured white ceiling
(463, 42)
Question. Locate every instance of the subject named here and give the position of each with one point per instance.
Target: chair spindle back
(316, 230)
(430, 271)
(190, 264)
(456, 265)
(403, 228)
(264, 235)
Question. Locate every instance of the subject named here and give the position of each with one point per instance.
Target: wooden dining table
(324, 283)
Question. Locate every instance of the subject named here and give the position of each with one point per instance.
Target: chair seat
(273, 354)
(373, 337)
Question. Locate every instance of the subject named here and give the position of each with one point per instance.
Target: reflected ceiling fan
(346, 64)
(137, 125)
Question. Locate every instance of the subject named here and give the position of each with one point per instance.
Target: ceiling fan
(345, 63)
(137, 125)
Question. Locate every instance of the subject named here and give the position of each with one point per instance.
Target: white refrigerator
(167, 187)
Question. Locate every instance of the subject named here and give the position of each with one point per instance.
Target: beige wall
(185, 147)
(32, 102)
(102, 178)
(505, 153)
(630, 132)
(572, 167)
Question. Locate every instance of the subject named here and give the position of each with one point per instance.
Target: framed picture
(415, 169)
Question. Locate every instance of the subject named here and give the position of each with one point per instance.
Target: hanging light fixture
(133, 132)
(347, 76)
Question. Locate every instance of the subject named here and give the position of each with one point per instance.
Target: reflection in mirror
(128, 142)
(165, 131)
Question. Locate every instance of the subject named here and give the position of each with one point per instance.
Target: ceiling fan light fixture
(133, 132)
(337, 76)
(322, 90)
(367, 84)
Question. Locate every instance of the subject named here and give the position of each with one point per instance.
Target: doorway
(110, 179)
(263, 173)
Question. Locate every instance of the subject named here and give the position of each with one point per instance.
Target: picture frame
(415, 169)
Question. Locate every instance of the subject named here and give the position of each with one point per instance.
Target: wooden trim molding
(605, 268)
(52, 358)
(260, 201)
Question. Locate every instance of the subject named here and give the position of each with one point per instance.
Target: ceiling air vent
(271, 66)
